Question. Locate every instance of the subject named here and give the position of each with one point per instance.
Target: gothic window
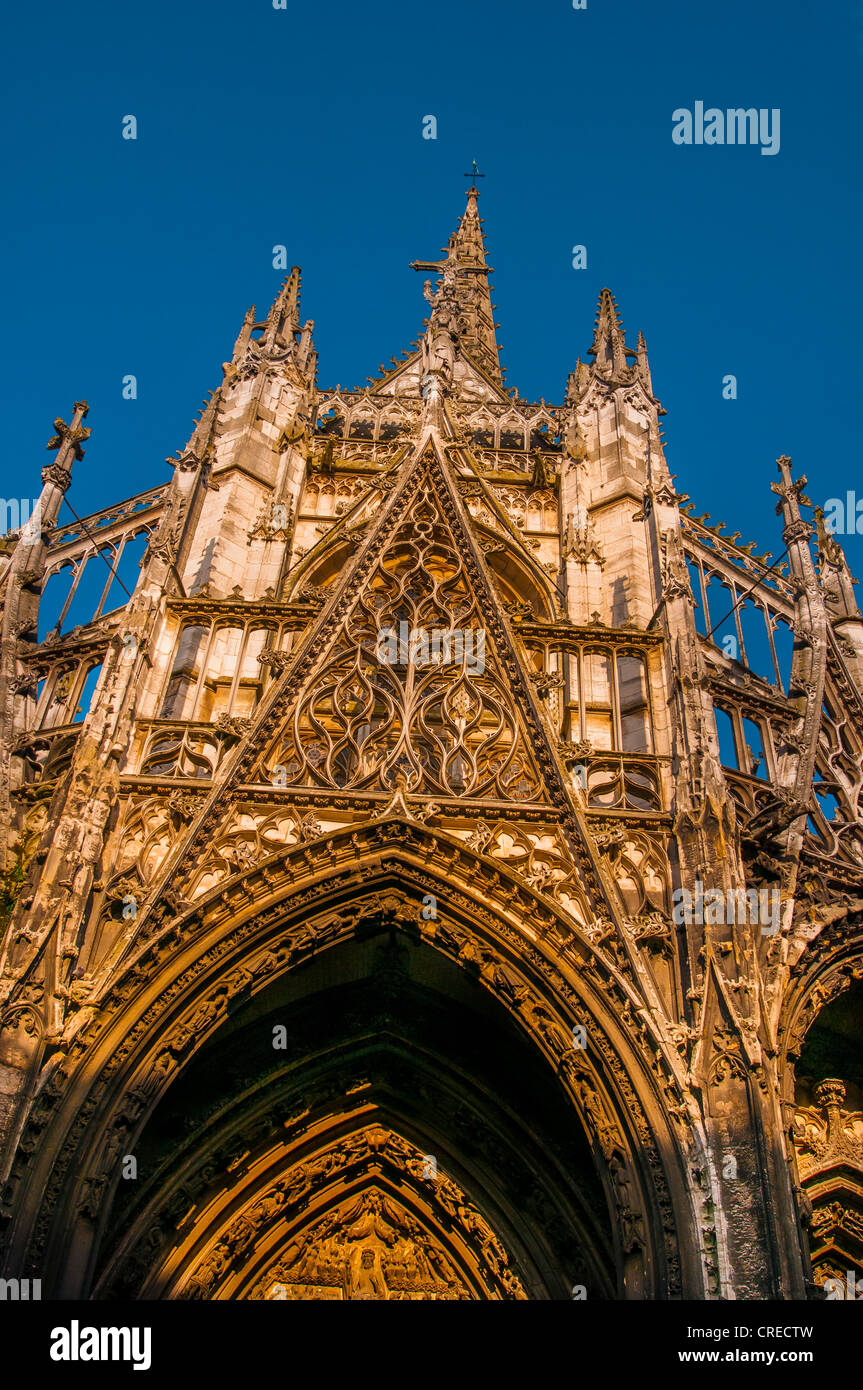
(634, 705)
(331, 424)
(722, 622)
(217, 671)
(541, 439)
(827, 803)
(125, 559)
(746, 630)
(179, 695)
(597, 708)
(55, 597)
(221, 671)
(390, 429)
(610, 702)
(250, 682)
(725, 735)
(80, 706)
(66, 696)
(535, 517)
(756, 652)
(57, 706)
(744, 744)
(783, 644)
(86, 598)
(362, 428)
(326, 501)
(536, 657)
(755, 759)
(827, 1136)
(512, 439)
(696, 579)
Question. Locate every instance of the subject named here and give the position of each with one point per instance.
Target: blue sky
(303, 126)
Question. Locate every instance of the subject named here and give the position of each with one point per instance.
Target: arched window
(85, 698)
(725, 735)
(756, 757)
(596, 677)
(222, 665)
(610, 700)
(635, 732)
(179, 695)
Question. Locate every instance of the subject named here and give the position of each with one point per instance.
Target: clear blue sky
(303, 126)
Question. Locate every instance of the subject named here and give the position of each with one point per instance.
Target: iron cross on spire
(474, 174)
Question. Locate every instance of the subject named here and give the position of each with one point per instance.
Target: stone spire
(610, 364)
(249, 447)
(22, 586)
(809, 657)
(464, 279)
(281, 336)
(796, 531)
(608, 349)
(837, 585)
(244, 335)
(835, 574)
(57, 476)
(283, 320)
(644, 365)
(467, 247)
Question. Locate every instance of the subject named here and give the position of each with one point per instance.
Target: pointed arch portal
(330, 1095)
(378, 1126)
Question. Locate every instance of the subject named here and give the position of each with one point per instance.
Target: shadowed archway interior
(827, 1132)
(370, 1126)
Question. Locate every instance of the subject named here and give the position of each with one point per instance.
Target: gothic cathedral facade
(405, 895)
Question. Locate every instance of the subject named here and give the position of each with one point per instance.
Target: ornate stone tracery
(403, 750)
(370, 1244)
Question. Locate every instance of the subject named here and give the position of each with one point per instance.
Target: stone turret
(255, 453)
(21, 587)
(610, 419)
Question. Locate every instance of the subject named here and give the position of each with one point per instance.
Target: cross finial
(74, 434)
(68, 444)
(790, 490)
(474, 174)
(784, 466)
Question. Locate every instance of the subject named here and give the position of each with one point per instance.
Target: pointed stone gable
(339, 720)
(414, 685)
